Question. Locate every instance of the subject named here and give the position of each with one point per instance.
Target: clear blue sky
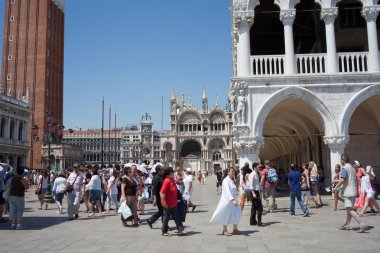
(135, 52)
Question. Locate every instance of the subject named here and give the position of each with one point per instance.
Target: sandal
(165, 234)
(226, 233)
(183, 232)
(91, 214)
(236, 232)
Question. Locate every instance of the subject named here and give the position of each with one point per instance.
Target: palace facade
(306, 84)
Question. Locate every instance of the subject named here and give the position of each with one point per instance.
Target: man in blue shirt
(294, 181)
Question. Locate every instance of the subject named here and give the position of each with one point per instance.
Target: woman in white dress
(228, 210)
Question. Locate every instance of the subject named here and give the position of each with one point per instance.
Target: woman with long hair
(367, 190)
(244, 187)
(360, 171)
(335, 180)
(314, 178)
(228, 210)
(42, 185)
(128, 194)
(305, 186)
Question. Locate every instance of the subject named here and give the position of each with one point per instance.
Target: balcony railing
(272, 65)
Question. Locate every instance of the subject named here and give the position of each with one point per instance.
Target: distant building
(198, 138)
(140, 145)
(90, 142)
(14, 121)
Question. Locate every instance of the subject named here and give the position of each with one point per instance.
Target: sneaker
(344, 227)
(13, 226)
(306, 213)
(150, 224)
(362, 228)
(19, 227)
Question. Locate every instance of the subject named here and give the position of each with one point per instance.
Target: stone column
(328, 15)
(243, 22)
(370, 14)
(248, 151)
(287, 17)
(337, 145)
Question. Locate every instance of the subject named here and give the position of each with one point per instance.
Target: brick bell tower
(32, 63)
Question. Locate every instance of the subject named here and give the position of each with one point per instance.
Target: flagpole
(102, 130)
(109, 136)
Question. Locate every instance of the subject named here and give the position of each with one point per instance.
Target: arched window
(12, 130)
(2, 128)
(216, 156)
(20, 131)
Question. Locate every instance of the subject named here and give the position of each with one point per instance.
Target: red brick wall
(37, 60)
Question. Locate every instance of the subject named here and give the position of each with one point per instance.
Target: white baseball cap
(188, 169)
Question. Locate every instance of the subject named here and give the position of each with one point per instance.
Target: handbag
(70, 187)
(37, 191)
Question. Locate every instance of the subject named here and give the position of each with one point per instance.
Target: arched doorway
(168, 153)
(364, 132)
(191, 155)
(216, 154)
(293, 131)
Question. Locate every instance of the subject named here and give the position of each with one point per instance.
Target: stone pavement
(50, 232)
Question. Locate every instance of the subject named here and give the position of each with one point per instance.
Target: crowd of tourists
(128, 188)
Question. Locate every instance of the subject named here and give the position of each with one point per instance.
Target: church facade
(306, 84)
(200, 139)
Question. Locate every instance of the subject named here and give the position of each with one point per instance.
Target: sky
(133, 53)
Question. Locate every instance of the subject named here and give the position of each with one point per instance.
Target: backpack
(272, 176)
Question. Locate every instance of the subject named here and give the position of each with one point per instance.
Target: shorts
(218, 183)
(2, 200)
(371, 195)
(307, 194)
(59, 197)
(313, 183)
(349, 202)
(94, 195)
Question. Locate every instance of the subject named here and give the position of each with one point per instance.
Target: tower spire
(204, 96)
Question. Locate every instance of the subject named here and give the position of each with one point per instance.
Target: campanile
(32, 63)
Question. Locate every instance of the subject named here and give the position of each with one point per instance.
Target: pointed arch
(353, 104)
(307, 96)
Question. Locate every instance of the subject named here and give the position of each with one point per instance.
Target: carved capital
(370, 12)
(252, 146)
(242, 18)
(336, 141)
(328, 15)
(287, 17)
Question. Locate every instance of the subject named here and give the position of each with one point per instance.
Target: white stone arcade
(309, 71)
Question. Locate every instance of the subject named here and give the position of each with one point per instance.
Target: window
(10, 57)
(10, 38)
(11, 18)
(11, 130)
(2, 128)
(13, 1)
(20, 132)
(9, 77)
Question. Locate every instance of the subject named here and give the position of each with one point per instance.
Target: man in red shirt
(169, 201)
(268, 188)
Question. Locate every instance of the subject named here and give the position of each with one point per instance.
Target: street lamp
(141, 151)
(48, 138)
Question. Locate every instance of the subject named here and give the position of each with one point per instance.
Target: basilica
(200, 139)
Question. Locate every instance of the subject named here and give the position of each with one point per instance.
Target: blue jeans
(293, 196)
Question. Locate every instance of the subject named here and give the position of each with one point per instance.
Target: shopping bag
(182, 209)
(124, 210)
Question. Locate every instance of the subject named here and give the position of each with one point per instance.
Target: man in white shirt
(188, 184)
(255, 188)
